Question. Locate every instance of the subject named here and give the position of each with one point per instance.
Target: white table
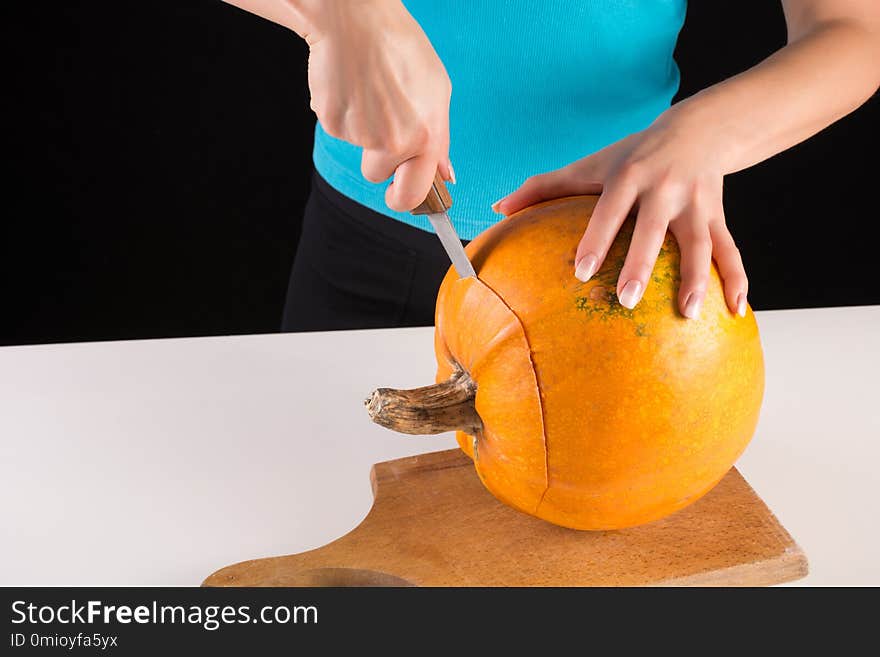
(156, 462)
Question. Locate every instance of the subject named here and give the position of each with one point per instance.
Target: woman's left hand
(671, 174)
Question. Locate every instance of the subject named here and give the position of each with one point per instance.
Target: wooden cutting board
(433, 524)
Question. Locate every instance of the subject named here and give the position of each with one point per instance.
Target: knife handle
(437, 200)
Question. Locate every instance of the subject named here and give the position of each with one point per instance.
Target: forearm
(817, 78)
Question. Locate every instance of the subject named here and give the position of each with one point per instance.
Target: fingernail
(497, 205)
(741, 305)
(630, 294)
(451, 173)
(692, 305)
(586, 268)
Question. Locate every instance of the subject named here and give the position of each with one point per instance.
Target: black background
(158, 157)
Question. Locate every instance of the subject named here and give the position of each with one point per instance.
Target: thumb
(566, 181)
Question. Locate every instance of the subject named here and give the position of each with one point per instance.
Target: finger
(695, 245)
(448, 172)
(377, 166)
(445, 162)
(608, 216)
(648, 236)
(730, 266)
(546, 186)
(444, 165)
(411, 184)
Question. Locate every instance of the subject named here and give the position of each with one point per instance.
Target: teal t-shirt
(535, 86)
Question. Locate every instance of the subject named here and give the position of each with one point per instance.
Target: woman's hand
(672, 171)
(376, 82)
(669, 172)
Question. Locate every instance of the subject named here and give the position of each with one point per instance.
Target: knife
(435, 205)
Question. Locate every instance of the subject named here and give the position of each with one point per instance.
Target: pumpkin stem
(445, 406)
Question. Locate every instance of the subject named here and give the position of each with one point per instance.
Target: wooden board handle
(437, 200)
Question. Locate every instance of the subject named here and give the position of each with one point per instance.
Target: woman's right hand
(376, 82)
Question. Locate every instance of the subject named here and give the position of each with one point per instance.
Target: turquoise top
(535, 86)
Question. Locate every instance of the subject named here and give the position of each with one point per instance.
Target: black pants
(355, 268)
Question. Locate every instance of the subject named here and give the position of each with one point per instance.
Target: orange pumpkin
(573, 408)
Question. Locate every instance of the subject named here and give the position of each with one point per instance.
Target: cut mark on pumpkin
(537, 391)
(600, 293)
(600, 297)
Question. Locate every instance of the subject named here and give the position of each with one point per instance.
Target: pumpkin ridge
(537, 387)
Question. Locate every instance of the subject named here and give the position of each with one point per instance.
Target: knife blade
(435, 205)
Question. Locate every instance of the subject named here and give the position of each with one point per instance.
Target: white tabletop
(155, 462)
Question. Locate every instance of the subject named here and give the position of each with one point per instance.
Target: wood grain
(433, 524)
(437, 200)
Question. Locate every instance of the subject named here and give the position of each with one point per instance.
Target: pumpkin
(573, 408)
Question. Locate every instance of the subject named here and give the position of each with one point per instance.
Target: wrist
(713, 128)
(335, 17)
